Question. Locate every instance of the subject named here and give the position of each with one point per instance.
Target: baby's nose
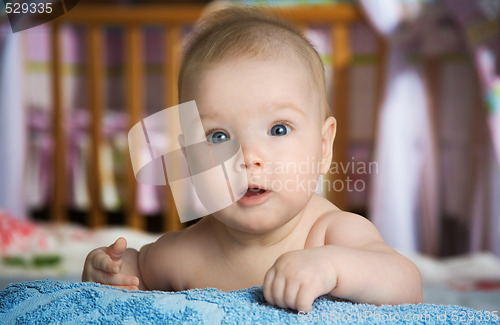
(253, 152)
(252, 163)
(252, 157)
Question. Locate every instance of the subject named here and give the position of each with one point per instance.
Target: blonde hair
(248, 32)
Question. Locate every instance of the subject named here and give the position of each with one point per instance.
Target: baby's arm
(346, 258)
(114, 265)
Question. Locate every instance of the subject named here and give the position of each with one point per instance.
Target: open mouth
(254, 196)
(254, 191)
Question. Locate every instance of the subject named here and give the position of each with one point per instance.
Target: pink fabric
(20, 236)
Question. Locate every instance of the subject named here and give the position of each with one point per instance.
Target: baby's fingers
(126, 287)
(119, 280)
(116, 250)
(103, 262)
(305, 299)
(267, 287)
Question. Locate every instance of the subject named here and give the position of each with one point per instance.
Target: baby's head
(248, 33)
(257, 80)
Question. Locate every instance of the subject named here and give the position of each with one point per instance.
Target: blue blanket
(50, 301)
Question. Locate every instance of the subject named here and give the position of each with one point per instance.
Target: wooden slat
(429, 193)
(339, 13)
(185, 13)
(123, 14)
(432, 78)
(337, 191)
(134, 99)
(95, 87)
(172, 45)
(58, 204)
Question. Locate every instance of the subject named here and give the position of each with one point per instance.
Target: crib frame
(94, 17)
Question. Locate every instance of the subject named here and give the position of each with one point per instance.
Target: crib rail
(95, 17)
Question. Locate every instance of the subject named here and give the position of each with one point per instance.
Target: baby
(256, 79)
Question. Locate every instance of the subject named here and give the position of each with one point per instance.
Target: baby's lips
(257, 187)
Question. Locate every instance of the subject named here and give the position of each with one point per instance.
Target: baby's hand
(298, 277)
(104, 265)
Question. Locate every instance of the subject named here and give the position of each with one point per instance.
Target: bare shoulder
(337, 227)
(163, 262)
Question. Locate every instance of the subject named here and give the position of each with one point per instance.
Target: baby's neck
(230, 237)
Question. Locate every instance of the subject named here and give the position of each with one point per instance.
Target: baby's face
(272, 109)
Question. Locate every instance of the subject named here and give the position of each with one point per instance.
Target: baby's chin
(255, 222)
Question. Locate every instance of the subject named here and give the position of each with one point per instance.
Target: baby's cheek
(303, 175)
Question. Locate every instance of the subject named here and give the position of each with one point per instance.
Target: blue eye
(279, 130)
(217, 137)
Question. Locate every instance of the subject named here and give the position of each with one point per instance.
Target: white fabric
(12, 125)
(384, 14)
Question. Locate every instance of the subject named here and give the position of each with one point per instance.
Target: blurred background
(414, 85)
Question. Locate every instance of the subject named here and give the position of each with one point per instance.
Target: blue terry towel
(51, 302)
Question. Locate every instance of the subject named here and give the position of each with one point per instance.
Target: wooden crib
(172, 17)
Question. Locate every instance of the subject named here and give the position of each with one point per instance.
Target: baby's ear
(328, 132)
